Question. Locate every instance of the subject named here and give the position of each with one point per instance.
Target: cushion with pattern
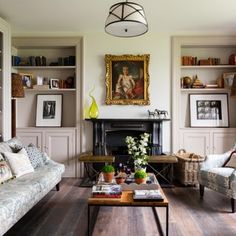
(34, 155)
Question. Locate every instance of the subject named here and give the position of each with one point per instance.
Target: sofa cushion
(15, 144)
(217, 176)
(19, 162)
(18, 196)
(34, 155)
(5, 172)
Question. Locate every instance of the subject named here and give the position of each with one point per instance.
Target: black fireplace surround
(109, 135)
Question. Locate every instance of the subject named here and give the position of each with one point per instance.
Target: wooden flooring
(65, 213)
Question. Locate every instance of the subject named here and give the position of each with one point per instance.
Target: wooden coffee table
(126, 200)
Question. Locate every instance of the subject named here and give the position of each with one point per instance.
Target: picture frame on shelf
(209, 110)
(27, 80)
(54, 83)
(49, 110)
(127, 79)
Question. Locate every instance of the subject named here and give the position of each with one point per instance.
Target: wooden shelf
(204, 90)
(42, 67)
(209, 67)
(50, 90)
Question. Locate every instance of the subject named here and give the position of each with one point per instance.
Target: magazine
(148, 195)
(106, 191)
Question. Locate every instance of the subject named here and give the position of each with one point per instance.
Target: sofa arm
(215, 160)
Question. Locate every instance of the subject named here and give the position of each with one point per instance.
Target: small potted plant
(108, 172)
(140, 177)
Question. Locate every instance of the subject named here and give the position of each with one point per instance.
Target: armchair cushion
(221, 176)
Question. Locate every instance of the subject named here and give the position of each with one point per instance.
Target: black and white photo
(49, 110)
(209, 110)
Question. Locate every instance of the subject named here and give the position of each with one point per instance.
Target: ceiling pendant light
(126, 19)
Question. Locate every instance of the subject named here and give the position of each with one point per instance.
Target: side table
(166, 171)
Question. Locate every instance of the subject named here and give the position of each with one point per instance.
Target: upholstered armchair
(215, 176)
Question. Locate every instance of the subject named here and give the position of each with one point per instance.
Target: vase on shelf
(93, 109)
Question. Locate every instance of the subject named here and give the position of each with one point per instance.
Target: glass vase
(93, 110)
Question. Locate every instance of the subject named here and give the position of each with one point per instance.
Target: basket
(186, 170)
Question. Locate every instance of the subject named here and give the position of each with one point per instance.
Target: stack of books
(106, 191)
(152, 195)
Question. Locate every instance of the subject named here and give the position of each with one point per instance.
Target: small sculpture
(158, 114)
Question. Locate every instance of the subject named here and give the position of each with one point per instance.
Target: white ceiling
(90, 15)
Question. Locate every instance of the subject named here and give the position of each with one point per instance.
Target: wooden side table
(166, 171)
(89, 159)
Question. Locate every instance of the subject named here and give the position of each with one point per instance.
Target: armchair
(213, 175)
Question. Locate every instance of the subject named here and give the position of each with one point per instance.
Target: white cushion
(19, 162)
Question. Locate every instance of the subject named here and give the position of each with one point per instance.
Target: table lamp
(17, 91)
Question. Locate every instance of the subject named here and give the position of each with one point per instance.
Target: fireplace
(109, 135)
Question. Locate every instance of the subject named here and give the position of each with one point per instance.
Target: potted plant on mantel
(108, 172)
(140, 177)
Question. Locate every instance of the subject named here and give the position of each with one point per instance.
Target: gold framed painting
(127, 79)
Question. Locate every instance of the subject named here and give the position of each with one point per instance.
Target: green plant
(140, 174)
(108, 169)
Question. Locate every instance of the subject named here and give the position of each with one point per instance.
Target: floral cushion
(19, 162)
(34, 155)
(5, 172)
(15, 144)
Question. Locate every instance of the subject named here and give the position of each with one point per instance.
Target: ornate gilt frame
(109, 59)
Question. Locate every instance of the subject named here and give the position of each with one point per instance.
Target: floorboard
(64, 213)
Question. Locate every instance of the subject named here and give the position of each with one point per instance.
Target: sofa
(19, 195)
(216, 175)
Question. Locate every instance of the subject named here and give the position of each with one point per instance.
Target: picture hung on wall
(26, 80)
(49, 110)
(127, 79)
(209, 110)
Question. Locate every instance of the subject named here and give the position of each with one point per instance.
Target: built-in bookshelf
(47, 59)
(44, 59)
(206, 58)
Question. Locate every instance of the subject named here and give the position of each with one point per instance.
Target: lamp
(126, 19)
(17, 91)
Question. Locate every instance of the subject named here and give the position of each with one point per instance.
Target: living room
(64, 97)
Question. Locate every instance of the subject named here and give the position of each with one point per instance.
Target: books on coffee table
(106, 191)
(152, 195)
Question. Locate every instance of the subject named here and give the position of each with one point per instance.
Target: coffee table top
(127, 200)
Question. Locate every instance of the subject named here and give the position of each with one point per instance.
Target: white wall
(96, 45)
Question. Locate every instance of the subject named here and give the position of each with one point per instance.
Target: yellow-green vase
(93, 110)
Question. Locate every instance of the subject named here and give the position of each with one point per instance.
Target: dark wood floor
(65, 213)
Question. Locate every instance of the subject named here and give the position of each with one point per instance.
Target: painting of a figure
(127, 79)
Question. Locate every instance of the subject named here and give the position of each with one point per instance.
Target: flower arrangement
(138, 149)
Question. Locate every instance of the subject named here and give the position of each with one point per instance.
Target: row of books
(193, 61)
(42, 61)
(115, 191)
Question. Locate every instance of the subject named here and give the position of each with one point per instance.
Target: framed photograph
(209, 110)
(49, 110)
(127, 79)
(27, 80)
(54, 83)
